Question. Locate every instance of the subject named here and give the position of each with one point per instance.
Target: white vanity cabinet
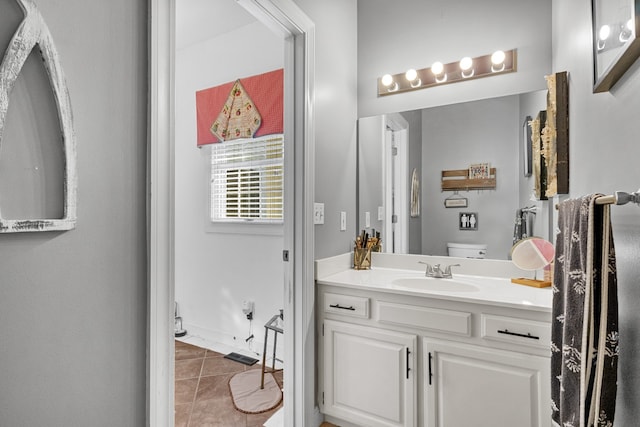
(368, 375)
(388, 358)
(469, 385)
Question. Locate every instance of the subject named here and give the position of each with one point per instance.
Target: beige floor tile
(202, 396)
(213, 386)
(217, 412)
(185, 390)
(189, 368)
(220, 366)
(182, 414)
(188, 351)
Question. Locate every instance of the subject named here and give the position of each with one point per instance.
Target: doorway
(297, 254)
(395, 185)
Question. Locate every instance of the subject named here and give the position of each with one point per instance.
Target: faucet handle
(447, 270)
(429, 268)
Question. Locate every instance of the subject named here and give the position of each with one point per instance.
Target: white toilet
(467, 250)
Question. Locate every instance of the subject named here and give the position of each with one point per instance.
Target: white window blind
(246, 180)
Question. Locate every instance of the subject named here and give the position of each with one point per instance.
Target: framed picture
(457, 202)
(468, 221)
(616, 45)
(479, 170)
(526, 142)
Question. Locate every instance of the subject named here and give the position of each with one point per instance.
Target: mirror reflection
(404, 157)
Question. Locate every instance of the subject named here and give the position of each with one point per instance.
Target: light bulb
(387, 80)
(412, 76)
(437, 68)
(604, 33)
(466, 63)
(498, 57)
(497, 61)
(626, 31)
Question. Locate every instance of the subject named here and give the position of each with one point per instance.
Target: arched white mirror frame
(299, 190)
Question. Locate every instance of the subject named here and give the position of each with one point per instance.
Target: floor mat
(247, 395)
(241, 358)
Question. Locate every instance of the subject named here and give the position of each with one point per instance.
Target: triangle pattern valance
(259, 96)
(238, 118)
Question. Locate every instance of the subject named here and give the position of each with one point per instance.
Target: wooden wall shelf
(456, 180)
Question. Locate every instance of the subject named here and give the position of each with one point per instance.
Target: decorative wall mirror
(48, 206)
(616, 41)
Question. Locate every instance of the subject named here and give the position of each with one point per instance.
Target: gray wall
(335, 120)
(414, 118)
(396, 36)
(73, 305)
(453, 137)
(370, 170)
(604, 154)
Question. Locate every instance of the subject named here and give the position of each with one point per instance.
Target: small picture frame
(468, 221)
(479, 170)
(460, 202)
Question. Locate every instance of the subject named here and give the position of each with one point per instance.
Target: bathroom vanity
(396, 348)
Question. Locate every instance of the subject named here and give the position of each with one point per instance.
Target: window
(246, 180)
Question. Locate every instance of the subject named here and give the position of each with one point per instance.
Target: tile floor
(202, 397)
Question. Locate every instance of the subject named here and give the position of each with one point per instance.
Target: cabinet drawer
(520, 331)
(346, 305)
(457, 322)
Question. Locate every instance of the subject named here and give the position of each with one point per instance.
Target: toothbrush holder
(361, 258)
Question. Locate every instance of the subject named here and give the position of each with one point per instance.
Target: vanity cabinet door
(369, 375)
(467, 385)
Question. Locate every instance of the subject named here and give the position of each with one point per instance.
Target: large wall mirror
(397, 150)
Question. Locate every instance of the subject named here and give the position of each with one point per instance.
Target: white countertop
(496, 291)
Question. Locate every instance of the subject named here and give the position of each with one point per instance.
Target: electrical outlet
(318, 213)
(343, 221)
(367, 219)
(380, 213)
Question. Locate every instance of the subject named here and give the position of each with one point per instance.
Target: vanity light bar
(465, 69)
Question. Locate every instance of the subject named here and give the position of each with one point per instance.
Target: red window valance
(266, 93)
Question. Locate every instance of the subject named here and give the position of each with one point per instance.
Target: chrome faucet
(437, 272)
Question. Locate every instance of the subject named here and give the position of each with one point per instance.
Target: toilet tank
(467, 250)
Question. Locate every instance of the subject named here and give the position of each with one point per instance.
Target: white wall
(393, 37)
(604, 152)
(216, 271)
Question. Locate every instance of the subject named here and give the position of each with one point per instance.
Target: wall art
(33, 35)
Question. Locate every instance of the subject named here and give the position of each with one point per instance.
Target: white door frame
(298, 292)
(394, 184)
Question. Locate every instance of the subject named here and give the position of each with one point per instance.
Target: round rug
(247, 395)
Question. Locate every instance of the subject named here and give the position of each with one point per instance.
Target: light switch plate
(343, 221)
(380, 213)
(367, 219)
(318, 213)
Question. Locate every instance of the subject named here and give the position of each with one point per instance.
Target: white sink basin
(433, 284)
